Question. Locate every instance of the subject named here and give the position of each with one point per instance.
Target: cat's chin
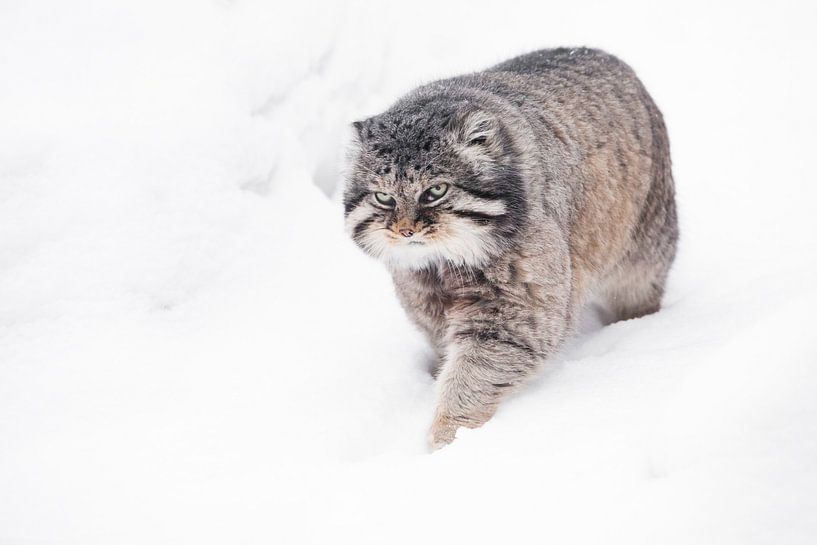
(420, 256)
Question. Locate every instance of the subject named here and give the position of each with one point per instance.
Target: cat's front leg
(484, 361)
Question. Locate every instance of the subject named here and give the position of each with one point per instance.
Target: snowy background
(192, 352)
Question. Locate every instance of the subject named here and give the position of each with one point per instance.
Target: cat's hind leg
(635, 289)
(636, 285)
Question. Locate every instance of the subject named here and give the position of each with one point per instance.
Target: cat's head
(431, 184)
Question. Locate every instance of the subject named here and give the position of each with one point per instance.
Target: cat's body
(502, 201)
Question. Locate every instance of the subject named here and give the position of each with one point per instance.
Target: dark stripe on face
(361, 227)
(481, 193)
(478, 217)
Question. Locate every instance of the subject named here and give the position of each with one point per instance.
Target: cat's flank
(501, 201)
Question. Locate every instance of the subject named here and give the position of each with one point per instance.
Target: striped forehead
(399, 164)
(405, 179)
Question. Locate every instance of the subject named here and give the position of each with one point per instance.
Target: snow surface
(191, 351)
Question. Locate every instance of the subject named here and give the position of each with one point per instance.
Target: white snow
(191, 351)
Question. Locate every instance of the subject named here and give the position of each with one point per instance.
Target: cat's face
(427, 188)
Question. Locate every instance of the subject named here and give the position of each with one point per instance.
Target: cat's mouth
(416, 240)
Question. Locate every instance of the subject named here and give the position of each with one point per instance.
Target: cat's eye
(385, 199)
(434, 192)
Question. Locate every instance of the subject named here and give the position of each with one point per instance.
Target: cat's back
(589, 89)
(582, 97)
(546, 69)
(565, 62)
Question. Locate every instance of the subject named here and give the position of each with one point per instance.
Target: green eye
(384, 199)
(433, 193)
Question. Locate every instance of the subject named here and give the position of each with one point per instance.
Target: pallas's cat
(502, 201)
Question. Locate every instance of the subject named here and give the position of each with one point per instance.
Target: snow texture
(191, 351)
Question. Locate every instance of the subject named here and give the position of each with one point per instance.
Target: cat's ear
(477, 134)
(357, 133)
(357, 127)
(357, 137)
(362, 130)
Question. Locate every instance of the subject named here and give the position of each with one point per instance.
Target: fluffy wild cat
(501, 201)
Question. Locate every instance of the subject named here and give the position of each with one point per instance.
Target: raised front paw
(444, 428)
(442, 432)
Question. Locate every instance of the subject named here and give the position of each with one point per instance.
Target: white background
(191, 351)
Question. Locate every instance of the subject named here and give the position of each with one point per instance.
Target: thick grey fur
(559, 189)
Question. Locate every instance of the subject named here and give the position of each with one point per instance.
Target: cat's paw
(442, 432)
(444, 428)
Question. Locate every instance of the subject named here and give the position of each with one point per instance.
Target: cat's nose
(407, 227)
